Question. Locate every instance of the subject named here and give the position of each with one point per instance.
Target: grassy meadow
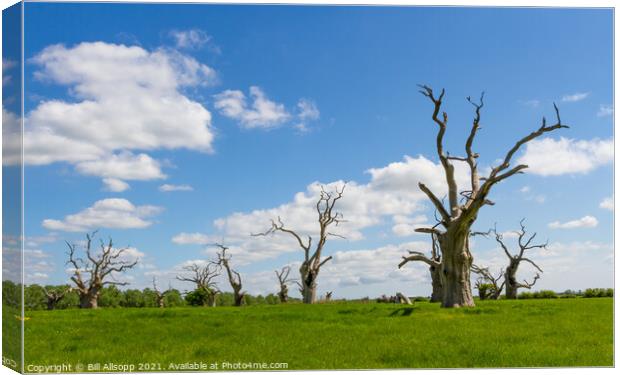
(521, 333)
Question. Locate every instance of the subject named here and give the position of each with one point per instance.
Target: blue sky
(335, 95)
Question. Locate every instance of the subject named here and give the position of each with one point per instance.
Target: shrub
(545, 294)
(598, 292)
(526, 295)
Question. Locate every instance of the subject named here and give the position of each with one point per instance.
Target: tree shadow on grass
(404, 311)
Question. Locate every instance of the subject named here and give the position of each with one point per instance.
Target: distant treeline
(36, 298)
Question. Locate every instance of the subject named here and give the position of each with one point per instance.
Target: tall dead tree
(512, 285)
(434, 266)
(457, 219)
(100, 267)
(55, 295)
(284, 281)
(204, 279)
(312, 263)
(489, 286)
(234, 278)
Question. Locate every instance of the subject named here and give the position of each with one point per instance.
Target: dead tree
(512, 285)
(159, 296)
(234, 278)
(55, 295)
(312, 263)
(488, 286)
(457, 219)
(204, 278)
(434, 266)
(328, 296)
(284, 281)
(100, 268)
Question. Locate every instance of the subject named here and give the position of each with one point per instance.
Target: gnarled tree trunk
(89, 300)
(437, 293)
(455, 268)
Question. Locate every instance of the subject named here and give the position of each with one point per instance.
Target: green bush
(598, 292)
(545, 294)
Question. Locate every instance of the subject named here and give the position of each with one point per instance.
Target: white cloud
(578, 96)
(115, 185)
(107, 213)
(525, 189)
(123, 166)
(124, 99)
(585, 222)
(6, 65)
(263, 113)
(192, 239)
(605, 110)
(307, 112)
(192, 39)
(550, 157)
(169, 187)
(607, 203)
(391, 193)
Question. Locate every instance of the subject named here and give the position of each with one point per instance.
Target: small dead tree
(488, 285)
(312, 263)
(512, 285)
(55, 295)
(284, 281)
(159, 296)
(328, 296)
(234, 278)
(434, 266)
(100, 268)
(204, 278)
(458, 218)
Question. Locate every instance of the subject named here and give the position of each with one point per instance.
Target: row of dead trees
(451, 262)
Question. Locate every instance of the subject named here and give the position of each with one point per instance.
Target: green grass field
(524, 333)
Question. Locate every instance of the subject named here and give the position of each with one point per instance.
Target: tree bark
(89, 300)
(455, 267)
(437, 293)
(512, 286)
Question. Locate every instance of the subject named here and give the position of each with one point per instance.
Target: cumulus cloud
(391, 193)
(107, 213)
(585, 222)
(170, 187)
(551, 157)
(123, 166)
(307, 112)
(605, 110)
(578, 96)
(115, 185)
(607, 203)
(124, 99)
(262, 113)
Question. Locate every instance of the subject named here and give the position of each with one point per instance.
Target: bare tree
(204, 278)
(284, 281)
(55, 295)
(458, 218)
(100, 268)
(488, 285)
(160, 296)
(434, 266)
(328, 296)
(312, 263)
(512, 285)
(234, 278)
